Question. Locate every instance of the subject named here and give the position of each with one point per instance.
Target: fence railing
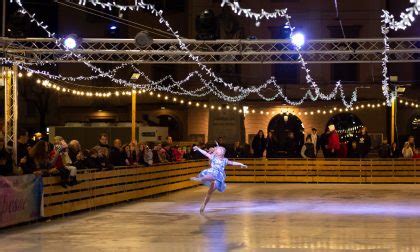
(326, 171)
(122, 184)
(127, 183)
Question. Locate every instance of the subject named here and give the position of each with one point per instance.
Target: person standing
(333, 142)
(315, 140)
(412, 144)
(308, 150)
(395, 151)
(407, 151)
(363, 142)
(259, 144)
(22, 145)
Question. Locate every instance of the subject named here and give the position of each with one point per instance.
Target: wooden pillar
(133, 114)
(393, 119)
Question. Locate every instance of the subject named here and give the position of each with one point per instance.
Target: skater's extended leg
(212, 188)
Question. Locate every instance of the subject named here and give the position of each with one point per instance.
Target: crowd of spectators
(59, 158)
(312, 145)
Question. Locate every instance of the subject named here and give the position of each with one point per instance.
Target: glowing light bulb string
(389, 23)
(244, 92)
(220, 80)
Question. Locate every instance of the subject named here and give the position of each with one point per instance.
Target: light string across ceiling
(244, 92)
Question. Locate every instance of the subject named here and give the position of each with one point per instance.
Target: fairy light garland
(244, 91)
(389, 23)
(118, 91)
(236, 8)
(407, 17)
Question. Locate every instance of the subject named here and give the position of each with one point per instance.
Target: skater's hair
(221, 148)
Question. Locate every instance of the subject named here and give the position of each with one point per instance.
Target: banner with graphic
(20, 199)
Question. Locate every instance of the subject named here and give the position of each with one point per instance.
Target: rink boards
(129, 183)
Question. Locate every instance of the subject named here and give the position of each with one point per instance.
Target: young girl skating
(214, 177)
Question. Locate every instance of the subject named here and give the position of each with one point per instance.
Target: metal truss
(10, 108)
(166, 51)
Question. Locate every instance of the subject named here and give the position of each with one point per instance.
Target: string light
(244, 91)
(338, 87)
(236, 8)
(389, 23)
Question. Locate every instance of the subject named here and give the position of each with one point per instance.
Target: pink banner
(20, 199)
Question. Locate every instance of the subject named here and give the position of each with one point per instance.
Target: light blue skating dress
(217, 170)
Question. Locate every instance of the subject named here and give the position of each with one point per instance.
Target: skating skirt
(219, 178)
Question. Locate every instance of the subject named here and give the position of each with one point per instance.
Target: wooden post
(133, 114)
(393, 121)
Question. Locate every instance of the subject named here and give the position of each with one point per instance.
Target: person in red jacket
(333, 142)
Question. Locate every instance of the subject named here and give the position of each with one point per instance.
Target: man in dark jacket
(117, 156)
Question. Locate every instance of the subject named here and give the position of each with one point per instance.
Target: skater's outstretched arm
(205, 153)
(236, 163)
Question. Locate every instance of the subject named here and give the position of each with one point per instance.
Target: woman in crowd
(363, 142)
(128, 155)
(308, 150)
(63, 163)
(259, 144)
(105, 163)
(39, 163)
(407, 151)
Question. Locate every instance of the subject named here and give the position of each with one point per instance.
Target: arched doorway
(281, 124)
(346, 124)
(174, 127)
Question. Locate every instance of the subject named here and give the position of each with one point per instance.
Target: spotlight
(142, 39)
(71, 41)
(113, 27)
(298, 39)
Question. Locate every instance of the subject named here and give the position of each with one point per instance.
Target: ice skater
(214, 177)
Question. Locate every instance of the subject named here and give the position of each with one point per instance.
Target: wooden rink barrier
(128, 183)
(326, 171)
(118, 185)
